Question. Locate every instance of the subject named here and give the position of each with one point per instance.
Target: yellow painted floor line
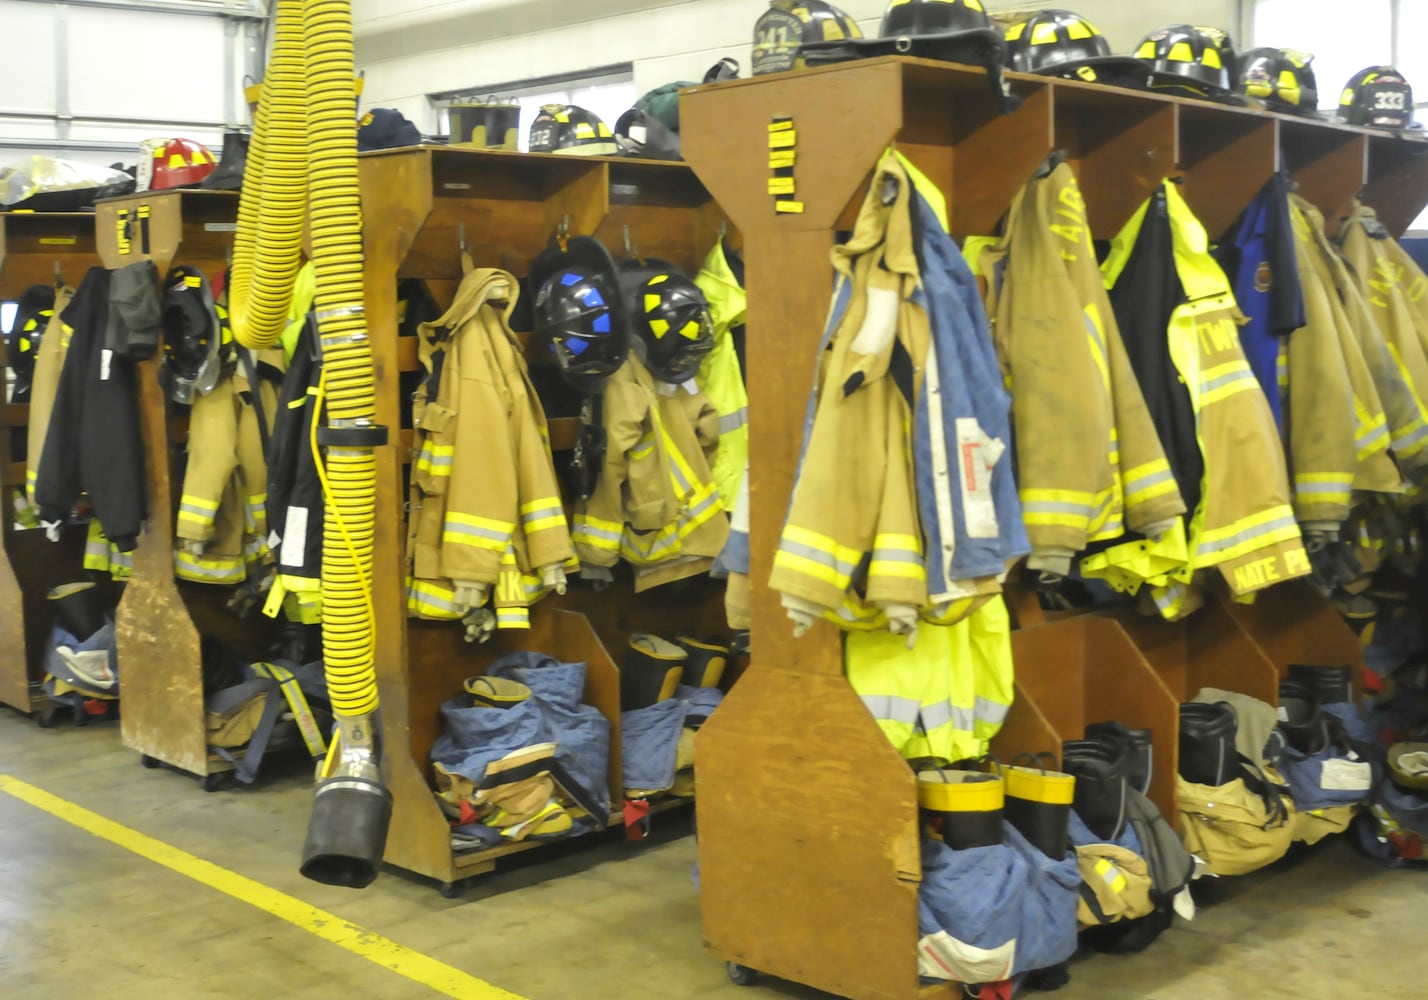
(374, 948)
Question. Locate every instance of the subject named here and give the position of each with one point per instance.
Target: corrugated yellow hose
(308, 159)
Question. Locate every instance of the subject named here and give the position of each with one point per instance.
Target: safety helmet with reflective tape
(670, 317)
(571, 131)
(1064, 44)
(1281, 78)
(194, 335)
(32, 315)
(789, 24)
(1378, 97)
(1200, 59)
(173, 163)
(933, 17)
(579, 311)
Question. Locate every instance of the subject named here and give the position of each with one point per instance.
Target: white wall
(90, 82)
(411, 48)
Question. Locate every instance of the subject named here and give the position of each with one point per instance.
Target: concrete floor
(80, 916)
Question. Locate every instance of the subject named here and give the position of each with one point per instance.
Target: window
(1341, 45)
(608, 92)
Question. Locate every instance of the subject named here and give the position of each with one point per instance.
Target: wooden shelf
(837, 840)
(34, 247)
(416, 203)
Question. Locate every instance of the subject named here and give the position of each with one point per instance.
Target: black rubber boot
(77, 609)
(653, 667)
(1102, 784)
(1207, 743)
(228, 175)
(1038, 804)
(1301, 720)
(962, 808)
(485, 125)
(1331, 685)
(706, 663)
(1138, 743)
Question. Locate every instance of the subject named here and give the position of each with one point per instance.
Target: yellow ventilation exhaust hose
(305, 142)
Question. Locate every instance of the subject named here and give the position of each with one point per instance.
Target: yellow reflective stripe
(898, 568)
(198, 503)
(1248, 536)
(1086, 500)
(555, 520)
(1078, 521)
(1149, 481)
(898, 556)
(1223, 381)
(1096, 334)
(792, 533)
(597, 534)
(1244, 524)
(491, 524)
(796, 563)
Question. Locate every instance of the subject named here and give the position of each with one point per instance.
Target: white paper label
(977, 455)
(294, 538)
(1346, 776)
(106, 358)
(1283, 714)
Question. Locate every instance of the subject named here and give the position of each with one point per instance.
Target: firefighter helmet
(669, 316)
(173, 163)
(571, 131)
(1198, 59)
(194, 335)
(579, 311)
(1062, 43)
(32, 315)
(1281, 78)
(790, 24)
(639, 133)
(933, 17)
(1378, 97)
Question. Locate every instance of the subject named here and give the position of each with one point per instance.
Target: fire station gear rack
(161, 621)
(821, 886)
(418, 205)
(36, 248)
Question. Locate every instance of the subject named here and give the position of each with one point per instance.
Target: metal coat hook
(723, 229)
(461, 243)
(59, 276)
(562, 233)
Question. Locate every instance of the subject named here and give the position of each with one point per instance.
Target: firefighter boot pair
(1331, 685)
(1038, 802)
(1102, 768)
(1301, 719)
(1207, 743)
(962, 808)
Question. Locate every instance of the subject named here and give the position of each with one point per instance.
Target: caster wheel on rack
(450, 890)
(45, 718)
(149, 762)
(215, 781)
(741, 975)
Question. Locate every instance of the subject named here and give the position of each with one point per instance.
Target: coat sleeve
(57, 485)
(114, 455)
(481, 498)
(212, 457)
(631, 445)
(543, 521)
(832, 523)
(1152, 497)
(1323, 455)
(1061, 409)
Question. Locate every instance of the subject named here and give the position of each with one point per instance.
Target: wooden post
(35, 249)
(160, 623)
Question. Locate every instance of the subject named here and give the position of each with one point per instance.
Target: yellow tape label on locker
(784, 207)
(781, 185)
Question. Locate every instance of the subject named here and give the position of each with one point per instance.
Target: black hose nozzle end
(347, 832)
